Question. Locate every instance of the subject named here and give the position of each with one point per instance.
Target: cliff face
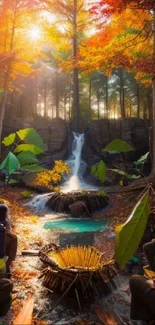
(57, 137)
(99, 133)
(55, 134)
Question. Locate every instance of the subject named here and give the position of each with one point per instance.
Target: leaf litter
(28, 226)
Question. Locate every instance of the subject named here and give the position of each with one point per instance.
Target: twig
(64, 294)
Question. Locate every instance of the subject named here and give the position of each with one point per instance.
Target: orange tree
(16, 50)
(125, 41)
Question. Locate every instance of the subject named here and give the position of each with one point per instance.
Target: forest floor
(28, 226)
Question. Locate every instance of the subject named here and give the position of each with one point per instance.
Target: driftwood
(77, 203)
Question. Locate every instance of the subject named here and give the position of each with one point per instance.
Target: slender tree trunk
(65, 102)
(106, 97)
(153, 121)
(76, 103)
(57, 94)
(45, 99)
(130, 107)
(149, 104)
(114, 109)
(90, 95)
(138, 100)
(36, 98)
(122, 94)
(98, 105)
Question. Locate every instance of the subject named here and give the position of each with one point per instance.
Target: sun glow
(34, 33)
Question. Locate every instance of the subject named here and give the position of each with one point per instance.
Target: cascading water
(77, 146)
(75, 182)
(76, 164)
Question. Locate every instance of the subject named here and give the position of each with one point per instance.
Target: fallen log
(25, 315)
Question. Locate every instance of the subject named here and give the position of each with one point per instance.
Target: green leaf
(129, 235)
(142, 159)
(125, 174)
(31, 136)
(26, 158)
(29, 178)
(117, 146)
(35, 168)
(9, 140)
(12, 181)
(10, 163)
(100, 171)
(102, 193)
(29, 147)
(26, 194)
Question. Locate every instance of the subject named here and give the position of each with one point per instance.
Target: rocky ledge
(78, 204)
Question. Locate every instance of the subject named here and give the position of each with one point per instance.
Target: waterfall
(75, 160)
(76, 164)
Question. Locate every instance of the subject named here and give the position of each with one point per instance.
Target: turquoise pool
(76, 225)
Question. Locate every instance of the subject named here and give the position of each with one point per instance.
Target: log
(25, 315)
(30, 253)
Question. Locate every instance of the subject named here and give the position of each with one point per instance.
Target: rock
(77, 203)
(80, 209)
(55, 134)
(99, 133)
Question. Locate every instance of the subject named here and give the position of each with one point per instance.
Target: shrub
(53, 177)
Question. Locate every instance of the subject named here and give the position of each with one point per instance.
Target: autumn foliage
(50, 178)
(124, 40)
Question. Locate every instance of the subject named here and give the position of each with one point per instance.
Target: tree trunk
(57, 95)
(65, 103)
(114, 109)
(149, 104)
(130, 107)
(76, 103)
(7, 76)
(45, 99)
(106, 98)
(98, 104)
(122, 94)
(138, 100)
(153, 121)
(90, 94)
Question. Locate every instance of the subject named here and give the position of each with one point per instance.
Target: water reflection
(76, 239)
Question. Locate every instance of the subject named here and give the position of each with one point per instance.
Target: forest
(72, 64)
(77, 162)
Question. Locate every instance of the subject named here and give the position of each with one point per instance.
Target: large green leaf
(29, 178)
(142, 160)
(9, 140)
(29, 147)
(129, 235)
(31, 136)
(125, 174)
(34, 168)
(100, 171)
(26, 158)
(118, 145)
(10, 163)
